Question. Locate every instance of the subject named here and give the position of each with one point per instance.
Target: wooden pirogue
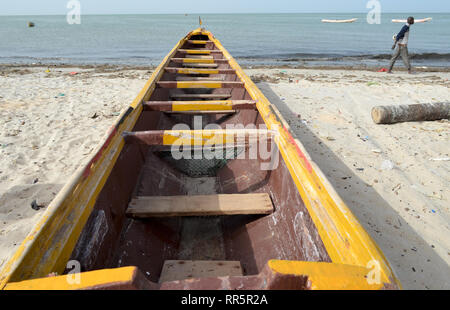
(134, 216)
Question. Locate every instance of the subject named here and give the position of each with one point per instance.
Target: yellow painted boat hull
(311, 240)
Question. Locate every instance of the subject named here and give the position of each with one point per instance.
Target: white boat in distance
(339, 20)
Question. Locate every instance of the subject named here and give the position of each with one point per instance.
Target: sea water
(259, 39)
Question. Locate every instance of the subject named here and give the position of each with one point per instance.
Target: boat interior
(198, 217)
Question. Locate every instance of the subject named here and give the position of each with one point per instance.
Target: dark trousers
(401, 50)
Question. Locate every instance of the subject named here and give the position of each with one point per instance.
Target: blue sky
(42, 7)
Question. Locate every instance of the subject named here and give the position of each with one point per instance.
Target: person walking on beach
(402, 49)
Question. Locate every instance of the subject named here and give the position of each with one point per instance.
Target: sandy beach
(395, 178)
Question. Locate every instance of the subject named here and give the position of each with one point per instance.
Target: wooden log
(410, 113)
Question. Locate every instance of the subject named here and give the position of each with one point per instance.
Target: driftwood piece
(410, 113)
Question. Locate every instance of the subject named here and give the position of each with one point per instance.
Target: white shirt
(405, 39)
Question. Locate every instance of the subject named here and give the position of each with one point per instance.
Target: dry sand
(49, 123)
(395, 178)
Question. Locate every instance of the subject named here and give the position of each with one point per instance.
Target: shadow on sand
(415, 262)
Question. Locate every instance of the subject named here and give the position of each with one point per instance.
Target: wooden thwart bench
(200, 42)
(198, 71)
(199, 51)
(189, 78)
(211, 205)
(199, 84)
(196, 65)
(197, 137)
(200, 96)
(199, 60)
(180, 270)
(201, 106)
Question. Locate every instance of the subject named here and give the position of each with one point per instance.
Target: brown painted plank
(165, 148)
(189, 78)
(200, 57)
(195, 65)
(182, 60)
(167, 105)
(202, 205)
(199, 42)
(200, 49)
(196, 137)
(154, 137)
(199, 84)
(174, 270)
(200, 96)
(201, 112)
(199, 71)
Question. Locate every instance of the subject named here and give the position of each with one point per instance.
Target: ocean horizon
(253, 39)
